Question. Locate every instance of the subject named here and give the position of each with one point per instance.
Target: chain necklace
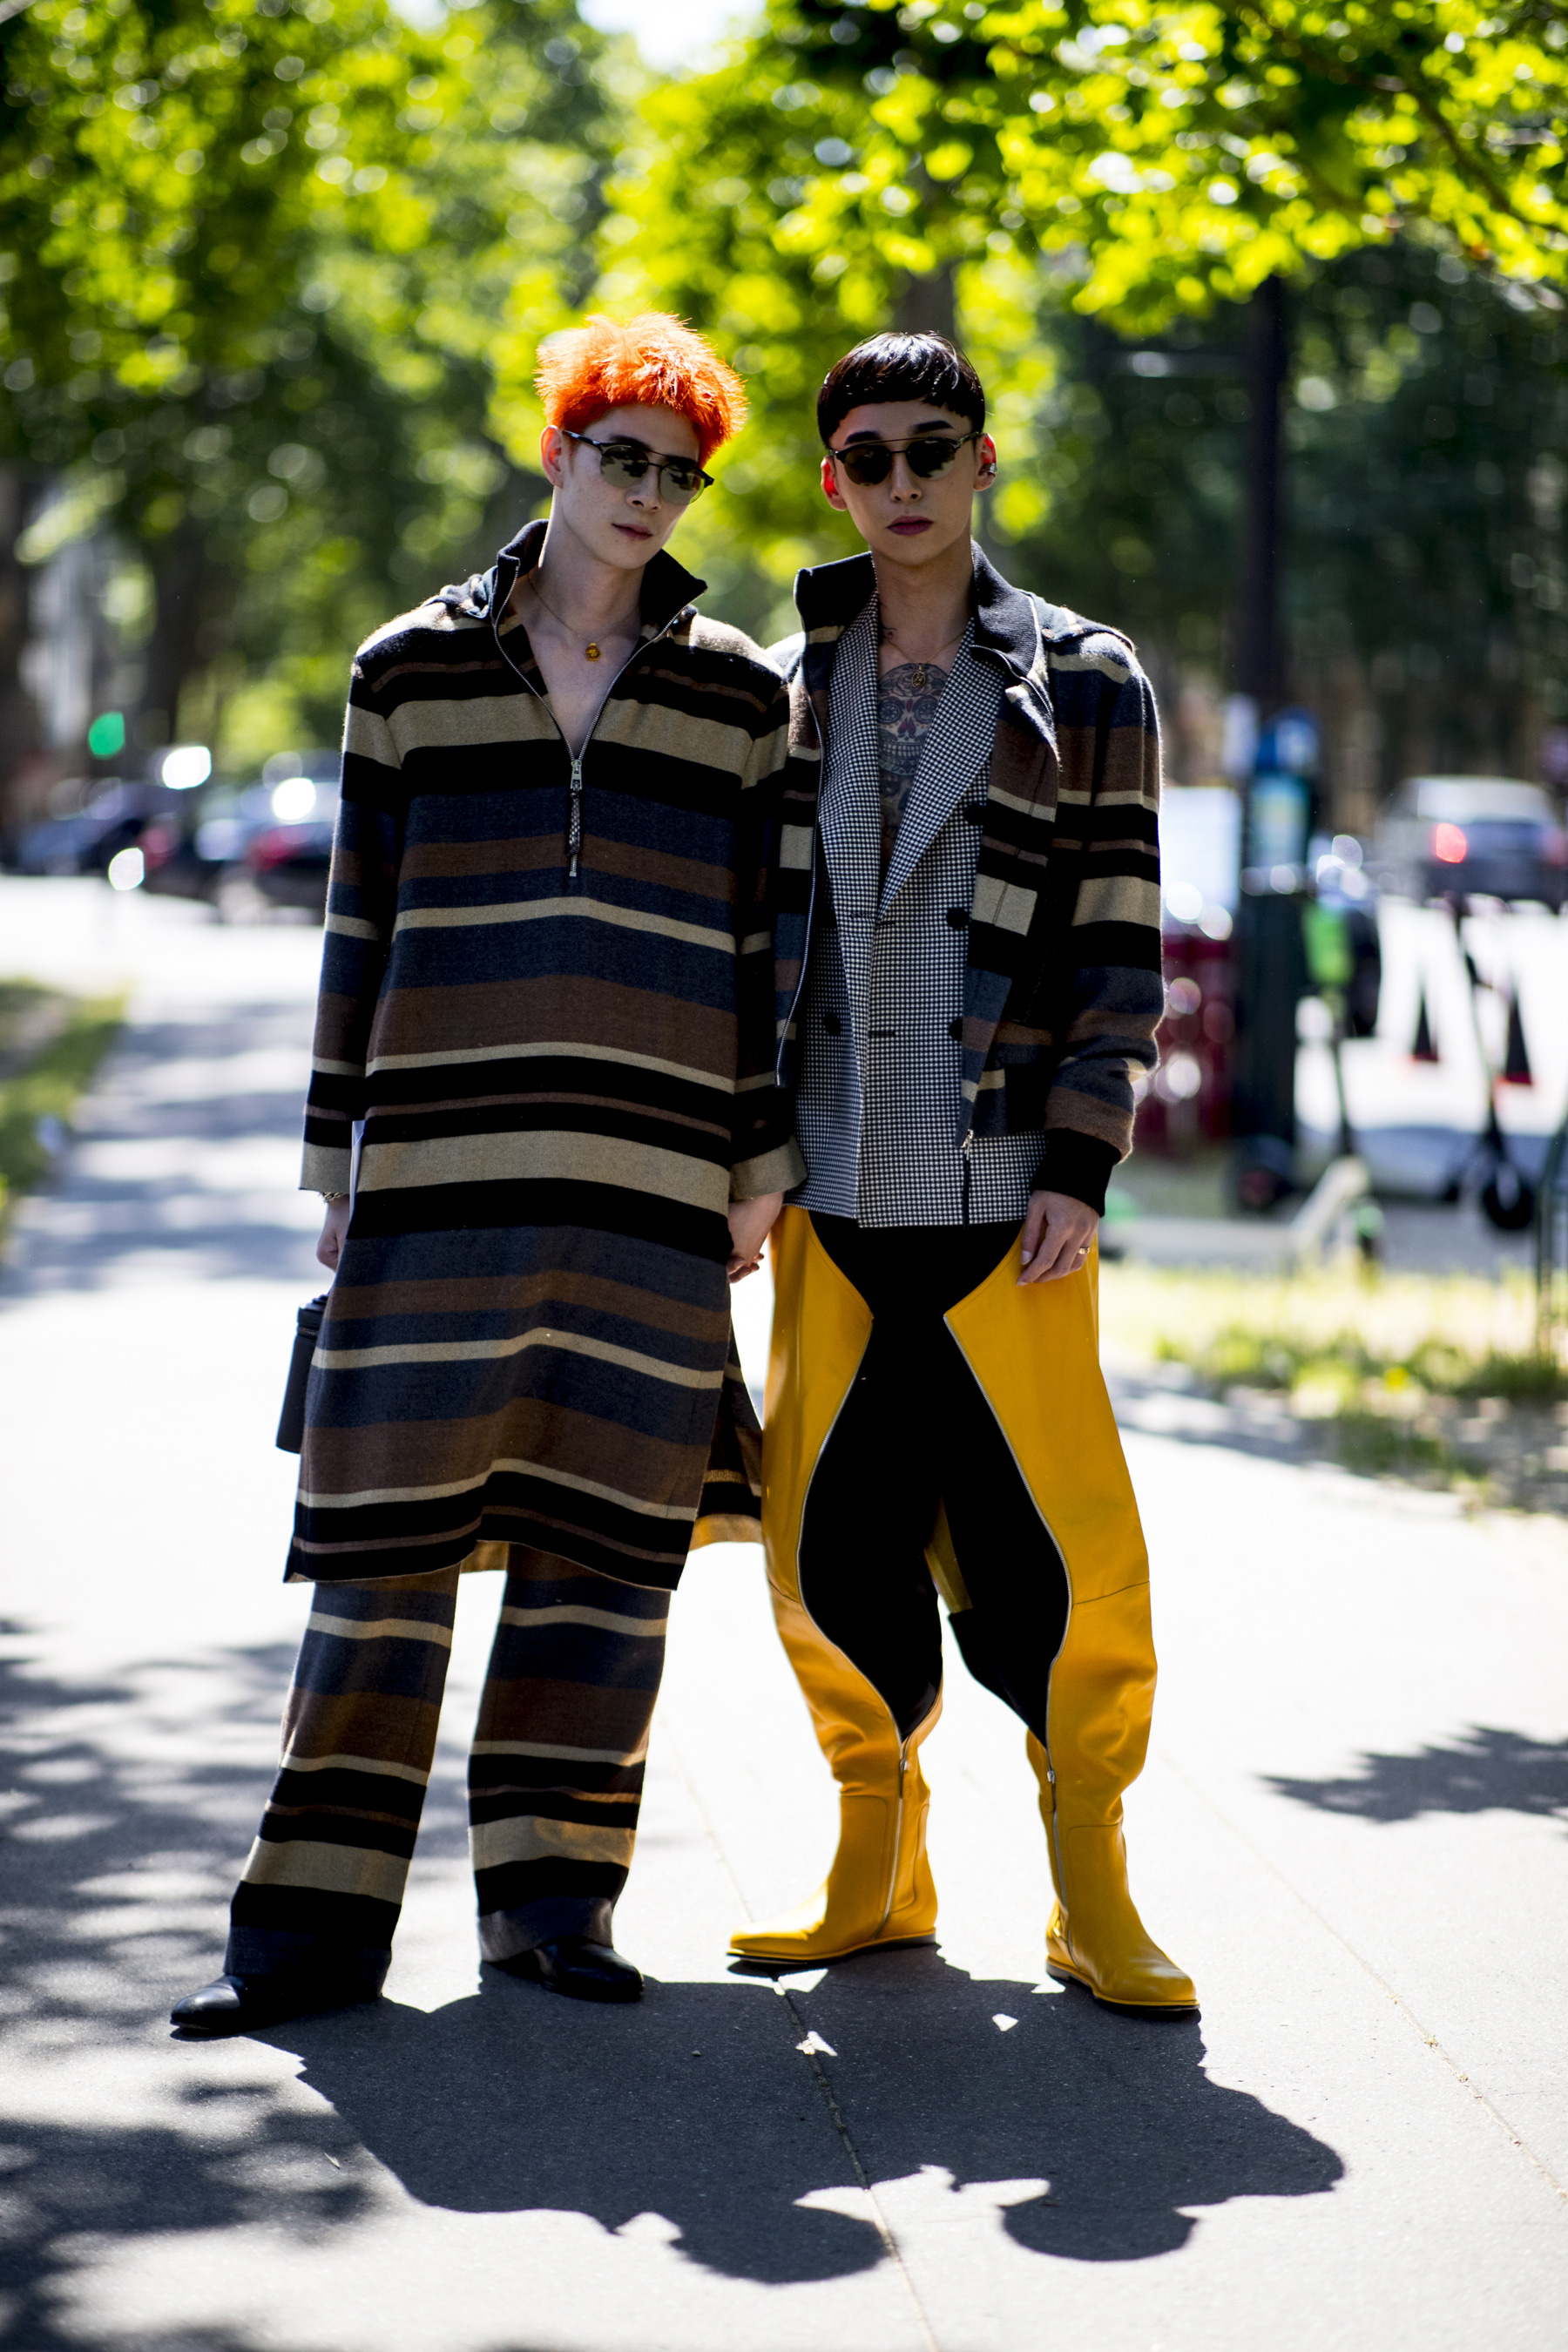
(922, 669)
(593, 650)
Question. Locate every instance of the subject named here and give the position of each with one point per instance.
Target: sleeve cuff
(325, 1169)
(772, 1172)
(1078, 1165)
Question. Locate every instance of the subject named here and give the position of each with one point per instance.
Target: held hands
(751, 1221)
(334, 1230)
(1058, 1232)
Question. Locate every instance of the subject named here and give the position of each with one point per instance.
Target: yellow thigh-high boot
(1035, 1353)
(879, 1889)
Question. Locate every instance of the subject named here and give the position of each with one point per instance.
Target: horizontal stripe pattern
(565, 1075)
(555, 1774)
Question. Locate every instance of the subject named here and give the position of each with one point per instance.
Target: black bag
(291, 1420)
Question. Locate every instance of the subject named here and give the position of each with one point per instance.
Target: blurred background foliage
(275, 275)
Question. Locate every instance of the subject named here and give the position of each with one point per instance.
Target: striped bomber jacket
(1063, 991)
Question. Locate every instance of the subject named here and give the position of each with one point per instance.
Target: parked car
(248, 850)
(1472, 836)
(287, 863)
(276, 842)
(86, 842)
(187, 849)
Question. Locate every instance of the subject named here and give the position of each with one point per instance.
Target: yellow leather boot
(1035, 1353)
(1094, 1935)
(879, 1890)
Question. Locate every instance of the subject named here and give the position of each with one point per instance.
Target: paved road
(1351, 1830)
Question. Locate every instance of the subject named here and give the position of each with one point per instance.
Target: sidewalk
(1351, 1831)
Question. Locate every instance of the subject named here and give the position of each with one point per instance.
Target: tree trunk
(18, 719)
(1259, 665)
(927, 306)
(181, 574)
(1270, 960)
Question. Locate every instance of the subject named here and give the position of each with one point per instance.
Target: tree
(259, 262)
(1168, 156)
(1126, 160)
(151, 188)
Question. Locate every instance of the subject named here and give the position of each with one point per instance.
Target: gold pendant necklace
(593, 650)
(921, 669)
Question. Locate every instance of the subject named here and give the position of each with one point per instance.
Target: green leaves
(1170, 155)
(262, 261)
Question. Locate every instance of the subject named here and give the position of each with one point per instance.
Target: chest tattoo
(907, 698)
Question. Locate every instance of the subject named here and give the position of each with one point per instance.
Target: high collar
(1008, 623)
(666, 586)
(830, 596)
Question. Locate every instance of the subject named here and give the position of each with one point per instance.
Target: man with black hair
(968, 949)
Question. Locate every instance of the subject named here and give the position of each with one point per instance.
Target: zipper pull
(574, 818)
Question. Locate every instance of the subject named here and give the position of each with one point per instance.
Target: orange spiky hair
(652, 362)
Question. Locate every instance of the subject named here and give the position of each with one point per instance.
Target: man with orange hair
(546, 1016)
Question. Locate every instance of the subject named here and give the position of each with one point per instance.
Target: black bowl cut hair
(900, 367)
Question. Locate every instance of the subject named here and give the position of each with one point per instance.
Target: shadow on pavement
(1483, 1770)
(692, 2119)
(1094, 2132)
(127, 1806)
(1105, 2127)
(1159, 1407)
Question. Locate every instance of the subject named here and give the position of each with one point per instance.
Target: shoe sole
(227, 2030)
(1122, 2008)
(609, 1997)
(773, 1961)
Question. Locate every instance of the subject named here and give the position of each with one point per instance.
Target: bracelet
(331, 1197)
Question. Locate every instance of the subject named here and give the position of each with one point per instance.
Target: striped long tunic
(547, 994)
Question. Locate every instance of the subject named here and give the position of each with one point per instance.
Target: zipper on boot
(1056, 1833)
(898, 1839)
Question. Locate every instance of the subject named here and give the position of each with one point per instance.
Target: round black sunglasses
(866, 463)
(625, 463)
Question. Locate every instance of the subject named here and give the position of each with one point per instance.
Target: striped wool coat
(547, 994)
(1062, 991)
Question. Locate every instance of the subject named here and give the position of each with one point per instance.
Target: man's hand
(1058, 1232)
(334, 1231)
(751, 1221)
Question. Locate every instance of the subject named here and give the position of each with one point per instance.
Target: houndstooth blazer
(879, 1094)
(1062, 992)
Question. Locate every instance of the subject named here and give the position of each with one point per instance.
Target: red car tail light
(271, 848)
(1449, 847)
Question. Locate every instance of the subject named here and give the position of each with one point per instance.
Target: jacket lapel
(956, 751)
(851, 817)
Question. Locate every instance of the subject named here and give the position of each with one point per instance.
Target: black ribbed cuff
(1077, 1165)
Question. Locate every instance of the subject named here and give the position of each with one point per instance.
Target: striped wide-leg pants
(554, 1779)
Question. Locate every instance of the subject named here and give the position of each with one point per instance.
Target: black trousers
(916, 1434)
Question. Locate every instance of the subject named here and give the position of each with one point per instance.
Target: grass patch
(1451, 1335)
(1435, 1380)
(51, 1047)
(1242, 1355)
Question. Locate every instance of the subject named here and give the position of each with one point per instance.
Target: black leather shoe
(241, 2004)
(579, 1967)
